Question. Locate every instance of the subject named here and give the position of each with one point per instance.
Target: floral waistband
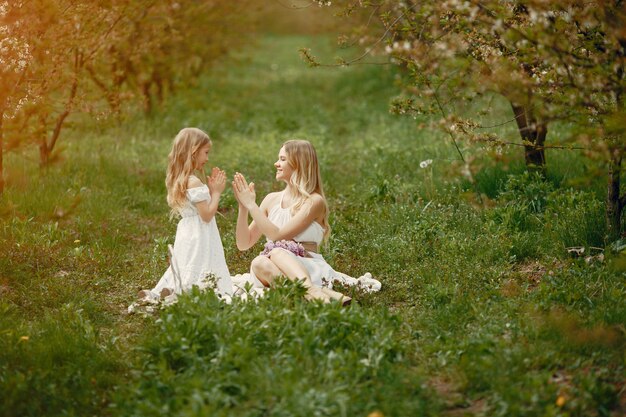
(292, 246)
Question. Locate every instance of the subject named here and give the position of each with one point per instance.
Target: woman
(294, 221)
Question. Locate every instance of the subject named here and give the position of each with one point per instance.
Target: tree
(63, 56)
(561, 60)
(162, 45)
(15, 57)
(62, 37)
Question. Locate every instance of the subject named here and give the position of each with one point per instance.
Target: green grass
(278, 356)
(482, 312)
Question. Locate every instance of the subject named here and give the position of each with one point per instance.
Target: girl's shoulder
(196, 190)
(194, 182)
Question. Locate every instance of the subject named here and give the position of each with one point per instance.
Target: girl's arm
(309, 212)
(217, 183)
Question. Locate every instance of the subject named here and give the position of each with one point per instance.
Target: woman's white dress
(321, 273)
(197, 251)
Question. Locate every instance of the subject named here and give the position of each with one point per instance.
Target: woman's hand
(244, 192)
(217, 181)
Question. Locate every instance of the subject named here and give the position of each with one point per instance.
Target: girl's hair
(306, 178)
(181, 164)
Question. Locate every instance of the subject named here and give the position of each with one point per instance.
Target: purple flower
(290, 245)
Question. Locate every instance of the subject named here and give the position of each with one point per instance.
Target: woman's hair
(181, 164)
(306, 178)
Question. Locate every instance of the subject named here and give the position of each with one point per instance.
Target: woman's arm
(247, 235)
(309, 212)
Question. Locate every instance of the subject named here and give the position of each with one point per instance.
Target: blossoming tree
(561, 60)
(15, 56)
(59, 57)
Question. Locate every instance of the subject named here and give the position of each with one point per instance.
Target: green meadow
(483, 311)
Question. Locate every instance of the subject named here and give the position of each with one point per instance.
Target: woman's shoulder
(315, 200)
(272, 198)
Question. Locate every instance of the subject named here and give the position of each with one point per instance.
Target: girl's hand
(217, 181)
(244, 192)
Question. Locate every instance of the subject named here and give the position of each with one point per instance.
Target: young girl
(294, 221)
(198, 249)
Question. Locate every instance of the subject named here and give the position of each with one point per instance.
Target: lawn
(483, 310)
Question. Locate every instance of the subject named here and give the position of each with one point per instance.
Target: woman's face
(283, 168)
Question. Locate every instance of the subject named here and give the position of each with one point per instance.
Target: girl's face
(202, 156)
(283, 168)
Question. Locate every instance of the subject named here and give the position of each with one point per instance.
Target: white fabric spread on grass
(365, 283)
(246, 286)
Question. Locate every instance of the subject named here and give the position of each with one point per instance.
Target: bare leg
(294, 270)
(265, 270)
(290, 266)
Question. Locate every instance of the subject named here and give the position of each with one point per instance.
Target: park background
(503, 278)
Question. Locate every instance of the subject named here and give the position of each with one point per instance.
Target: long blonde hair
(181, 164)
(306, 178)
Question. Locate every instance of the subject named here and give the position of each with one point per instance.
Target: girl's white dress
(197, 251)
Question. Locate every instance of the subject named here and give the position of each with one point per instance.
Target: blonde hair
(306, 178)
(181, 164)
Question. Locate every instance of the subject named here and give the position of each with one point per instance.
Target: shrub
(575, 218)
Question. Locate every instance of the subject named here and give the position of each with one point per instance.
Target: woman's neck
(288, 196)
(289, 191)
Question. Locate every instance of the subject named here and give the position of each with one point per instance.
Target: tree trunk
(110, 94)
(614, 204)
(1, 153)
(534, 135)
(44, 152)
(147, 98)
(158, 81)
(45, 148)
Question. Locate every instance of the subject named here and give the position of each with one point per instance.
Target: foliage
(277, 356)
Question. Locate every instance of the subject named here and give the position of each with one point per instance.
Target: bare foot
(144, 294)
(165, 292)
(337, 296)
(316, 293)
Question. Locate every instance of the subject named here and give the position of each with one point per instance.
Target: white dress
(321, 273)
(197, 251)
